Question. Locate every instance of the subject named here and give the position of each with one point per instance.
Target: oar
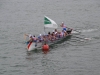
(25, 36)
(83, 38)
(76, 31)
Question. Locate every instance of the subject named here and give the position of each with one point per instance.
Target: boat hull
(33, 45)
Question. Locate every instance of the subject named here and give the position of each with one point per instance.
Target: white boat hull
(32, 46)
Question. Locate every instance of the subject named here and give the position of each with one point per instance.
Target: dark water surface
(78, 55)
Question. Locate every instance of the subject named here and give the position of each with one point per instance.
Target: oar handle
(25, 37)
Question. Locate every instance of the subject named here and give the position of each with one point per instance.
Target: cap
(40, 34)
(30, 35)
(62, 22)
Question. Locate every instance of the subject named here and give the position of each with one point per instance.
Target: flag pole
(44, 26)
(44, 30)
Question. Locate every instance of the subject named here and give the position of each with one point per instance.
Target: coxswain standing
(68, 30)
(63, 26)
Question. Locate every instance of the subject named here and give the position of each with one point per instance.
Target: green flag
(49, 23)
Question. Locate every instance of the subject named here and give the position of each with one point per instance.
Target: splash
(89, 30)
(88, 38)
(74, 32)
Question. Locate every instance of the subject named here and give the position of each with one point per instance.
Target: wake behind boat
(50, 38)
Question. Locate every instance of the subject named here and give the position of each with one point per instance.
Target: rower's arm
(26, 34)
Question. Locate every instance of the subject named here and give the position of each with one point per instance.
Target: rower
(56, 31)
(63, 26)
(40, 38)
(53, 37)
(34, 38)
(60, 34)
(30, 38)
(45, 39)
(49, 36)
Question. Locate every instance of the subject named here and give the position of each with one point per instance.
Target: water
(79, 55)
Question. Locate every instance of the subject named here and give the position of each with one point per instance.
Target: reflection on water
(48, 66)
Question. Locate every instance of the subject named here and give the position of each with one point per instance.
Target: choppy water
(79, 55)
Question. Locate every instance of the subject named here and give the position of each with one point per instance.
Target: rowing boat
(32, 45)
(50, 24)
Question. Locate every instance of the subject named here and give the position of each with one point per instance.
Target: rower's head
(55, 30)
(30, 35)
(40, 35)
(48, 32)
(62, 24)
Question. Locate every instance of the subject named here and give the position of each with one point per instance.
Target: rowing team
(50, 36)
